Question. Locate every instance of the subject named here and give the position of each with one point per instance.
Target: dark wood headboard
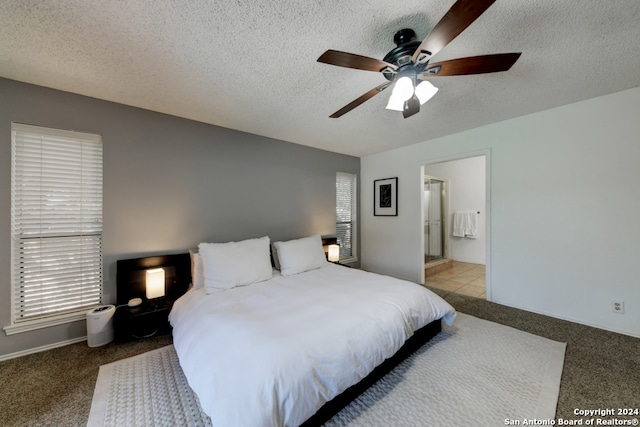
(131, 276)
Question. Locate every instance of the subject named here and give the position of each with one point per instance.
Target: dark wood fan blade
(473, 65)
(459, 17)
(351, 60)
(411, 107)
(353, 104)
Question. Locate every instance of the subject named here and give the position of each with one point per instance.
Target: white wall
(564, 204)
(466, 191)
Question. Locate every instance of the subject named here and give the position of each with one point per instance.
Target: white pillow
(197, 272)
(227, 265)
(300, 255)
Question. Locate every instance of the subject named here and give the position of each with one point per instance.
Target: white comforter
(272, 353)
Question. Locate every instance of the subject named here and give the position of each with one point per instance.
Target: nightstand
(142, 321)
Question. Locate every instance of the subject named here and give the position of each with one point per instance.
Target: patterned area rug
(474, 373)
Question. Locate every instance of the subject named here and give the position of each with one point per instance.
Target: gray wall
(169, 184)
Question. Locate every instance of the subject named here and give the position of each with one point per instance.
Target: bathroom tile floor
(463, 278)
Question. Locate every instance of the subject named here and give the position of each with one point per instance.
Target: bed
(281, 347)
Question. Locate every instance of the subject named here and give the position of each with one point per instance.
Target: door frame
(487, 156)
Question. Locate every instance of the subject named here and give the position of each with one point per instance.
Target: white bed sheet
(272, 353)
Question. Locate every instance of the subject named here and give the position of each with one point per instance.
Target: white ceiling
(251, 64)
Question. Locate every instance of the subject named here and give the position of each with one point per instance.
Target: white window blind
(346, 215)
(56, 220)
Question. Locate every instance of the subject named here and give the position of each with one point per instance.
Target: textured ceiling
(251, 64)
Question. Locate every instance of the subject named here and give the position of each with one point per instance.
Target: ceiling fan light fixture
(425, 91)
(403, 89)
(395, 103)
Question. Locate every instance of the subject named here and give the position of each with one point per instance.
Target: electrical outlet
(617, 306)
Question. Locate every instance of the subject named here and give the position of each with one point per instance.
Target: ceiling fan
(408, 63)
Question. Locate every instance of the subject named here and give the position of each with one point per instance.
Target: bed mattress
(272, 353)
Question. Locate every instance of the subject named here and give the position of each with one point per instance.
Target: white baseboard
(569, 319)
(39, 349)
(469, 260)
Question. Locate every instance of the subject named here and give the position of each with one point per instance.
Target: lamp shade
(334, 253)
(395, 103)
(425, 90)
(155, 283)
(403, 88)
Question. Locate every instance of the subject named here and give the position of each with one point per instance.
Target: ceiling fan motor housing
(403, 36)
(400, 56)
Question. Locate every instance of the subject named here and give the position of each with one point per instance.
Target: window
(346, 215)
(56, 225)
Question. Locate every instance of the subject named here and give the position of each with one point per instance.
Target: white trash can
(100, 325)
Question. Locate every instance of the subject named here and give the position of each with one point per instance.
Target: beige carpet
(474, 373)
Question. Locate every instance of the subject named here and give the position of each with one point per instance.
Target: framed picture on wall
(385, 197)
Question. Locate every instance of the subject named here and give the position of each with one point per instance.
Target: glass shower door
(433, 219)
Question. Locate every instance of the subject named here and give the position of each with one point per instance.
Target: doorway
(454, 185)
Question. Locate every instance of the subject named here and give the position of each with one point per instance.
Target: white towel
(465, 224)
(458, 224)
(471, 225)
